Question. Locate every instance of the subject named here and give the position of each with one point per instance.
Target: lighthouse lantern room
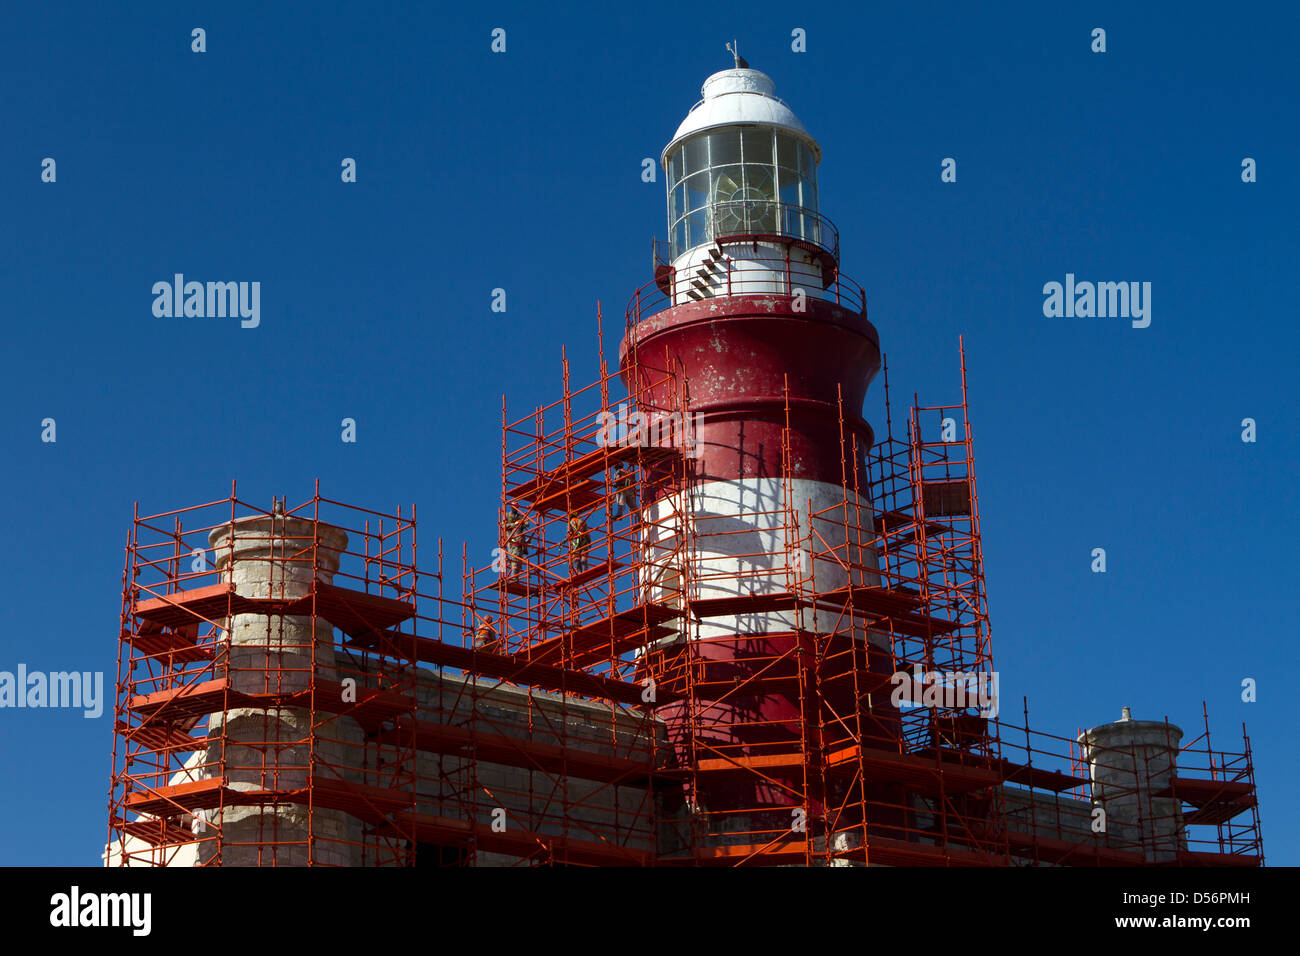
(742, 196)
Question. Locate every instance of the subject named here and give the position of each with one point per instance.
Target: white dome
(738, 96)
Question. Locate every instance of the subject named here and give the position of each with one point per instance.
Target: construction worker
(579, 543)
(485, 636)
(512, 528)
(624, 489)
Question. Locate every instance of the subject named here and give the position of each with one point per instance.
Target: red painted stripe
(739, 354)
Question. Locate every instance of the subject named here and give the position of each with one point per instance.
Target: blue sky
(522, 171)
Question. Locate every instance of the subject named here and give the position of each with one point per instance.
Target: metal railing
(747, 276)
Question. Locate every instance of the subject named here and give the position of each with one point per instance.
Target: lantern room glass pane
(724, 147)
(757, 146)
(789, 186)
(760, 183)
(728, 184)
(695, 155)
(697, 191)
(807, 166)
(786, 153)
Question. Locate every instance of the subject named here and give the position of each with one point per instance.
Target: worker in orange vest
(579, 543)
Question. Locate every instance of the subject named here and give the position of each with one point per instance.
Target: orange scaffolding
(285, 696)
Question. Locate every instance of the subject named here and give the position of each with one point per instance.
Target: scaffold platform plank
(184, 607)
(188, 701)
(184, 797)
(371, 704)
(353, 612)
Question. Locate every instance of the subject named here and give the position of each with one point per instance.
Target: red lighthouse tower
(775, 352)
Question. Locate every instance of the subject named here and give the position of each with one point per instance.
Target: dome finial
(734, 49)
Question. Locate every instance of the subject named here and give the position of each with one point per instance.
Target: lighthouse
(775, 354)
(726, 623)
